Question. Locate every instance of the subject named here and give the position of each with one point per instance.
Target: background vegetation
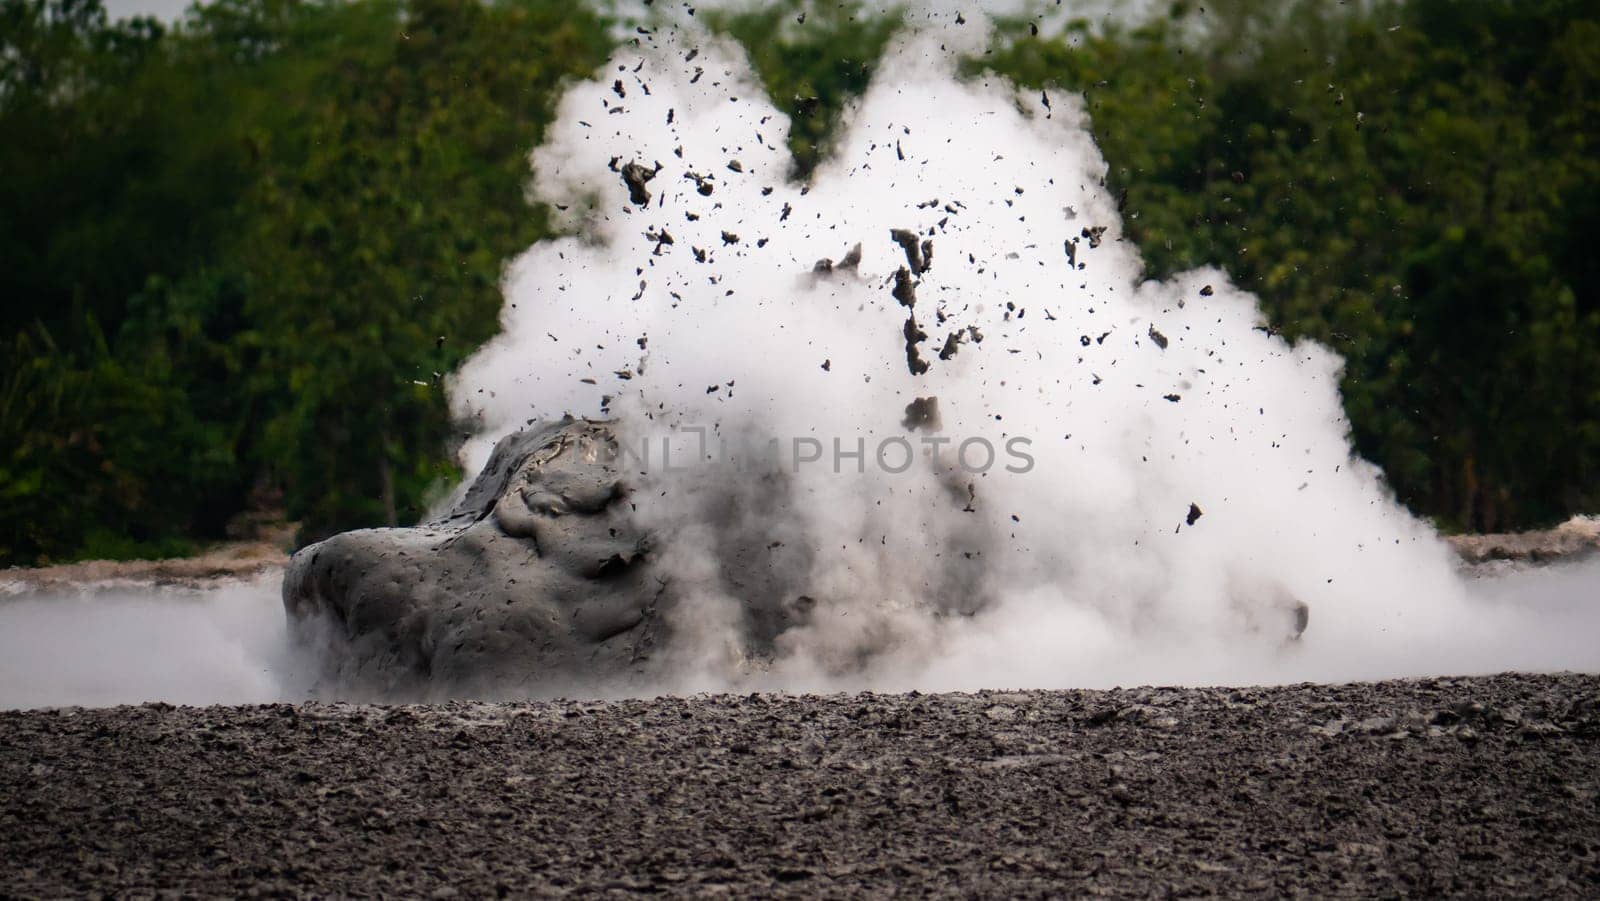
(1416, 185)
(237, 254)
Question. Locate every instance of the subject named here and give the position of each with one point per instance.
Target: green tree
(1403, 182)
(381, 238)
(231, 250)
(813, 59)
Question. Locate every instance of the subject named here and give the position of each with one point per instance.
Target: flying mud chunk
(952, 344)
(635, 175)
(922, 413)
(1300, 614)
(905, 290)
(850, 263)
(914, 337)
(536, 581)
(919, 256)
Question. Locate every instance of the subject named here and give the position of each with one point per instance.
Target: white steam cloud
(701, 307)
(1139, 399)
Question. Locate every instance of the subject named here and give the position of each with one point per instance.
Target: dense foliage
(236, 255)
(1416, 185)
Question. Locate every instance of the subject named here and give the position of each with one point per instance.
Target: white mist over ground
(1138, 400)
(126, 645)
(701, 308)
(228, 644)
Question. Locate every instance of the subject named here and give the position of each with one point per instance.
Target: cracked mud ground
(1483, 786)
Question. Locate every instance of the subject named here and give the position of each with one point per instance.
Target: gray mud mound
(1485, 787)
(540, 582)
(534, 581)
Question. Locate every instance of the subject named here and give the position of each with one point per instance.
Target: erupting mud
(971, 444)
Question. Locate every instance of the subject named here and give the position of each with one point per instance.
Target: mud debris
(922, 413)
(919, 253)
(914, 338)
(635, 175)
(905, 290)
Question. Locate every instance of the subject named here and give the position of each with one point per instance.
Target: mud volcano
(1191, 493)
(537, 575)
(539, 582)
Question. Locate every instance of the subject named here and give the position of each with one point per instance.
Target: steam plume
(1193, 499)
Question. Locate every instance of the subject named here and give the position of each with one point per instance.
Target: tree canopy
(1411, 184)
(240, 253)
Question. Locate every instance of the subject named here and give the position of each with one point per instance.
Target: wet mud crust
(1480, 787)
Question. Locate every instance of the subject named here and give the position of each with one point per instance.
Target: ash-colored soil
(1483, 787)
(221, 563)
(244, 559)
(1578, 535)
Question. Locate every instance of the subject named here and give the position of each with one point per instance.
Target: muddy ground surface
(1484, 787)
(1578, 536)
